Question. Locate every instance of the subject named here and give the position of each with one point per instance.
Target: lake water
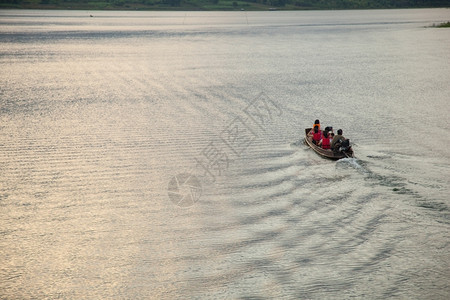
(159, 155)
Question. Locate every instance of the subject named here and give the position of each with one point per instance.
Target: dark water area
(160, 155)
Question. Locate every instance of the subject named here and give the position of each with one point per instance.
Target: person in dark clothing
(337, 140)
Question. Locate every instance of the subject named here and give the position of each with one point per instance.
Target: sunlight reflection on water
(99, 115)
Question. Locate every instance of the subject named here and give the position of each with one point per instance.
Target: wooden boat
(328, 153)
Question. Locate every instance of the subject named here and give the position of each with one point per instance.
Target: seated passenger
(317, 135)
(316, 124)
(337, 140)
(325, 142)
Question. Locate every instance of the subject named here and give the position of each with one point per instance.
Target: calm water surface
(104, 118)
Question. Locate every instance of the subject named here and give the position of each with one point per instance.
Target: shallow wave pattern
(93, 128)
(306, 228)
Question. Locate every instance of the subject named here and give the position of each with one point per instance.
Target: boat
(328, 153)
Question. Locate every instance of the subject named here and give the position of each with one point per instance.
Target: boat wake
(298, 143)
(354, 163)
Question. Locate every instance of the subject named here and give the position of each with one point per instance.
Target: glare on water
(160, 155)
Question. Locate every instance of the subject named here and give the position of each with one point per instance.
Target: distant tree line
(77, 3)
(300, 4)
(354, 4)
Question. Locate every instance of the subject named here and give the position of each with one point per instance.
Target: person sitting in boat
(316, 124)
(316, 135)
(325, 141)
(337, 140)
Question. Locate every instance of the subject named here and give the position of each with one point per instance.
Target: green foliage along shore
(219, 4)
(443, 25)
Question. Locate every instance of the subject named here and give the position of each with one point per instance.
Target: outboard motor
(345, 146)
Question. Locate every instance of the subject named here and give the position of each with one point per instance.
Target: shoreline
(226, 5)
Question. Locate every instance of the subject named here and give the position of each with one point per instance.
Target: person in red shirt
(317, 135)
(325, 141)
